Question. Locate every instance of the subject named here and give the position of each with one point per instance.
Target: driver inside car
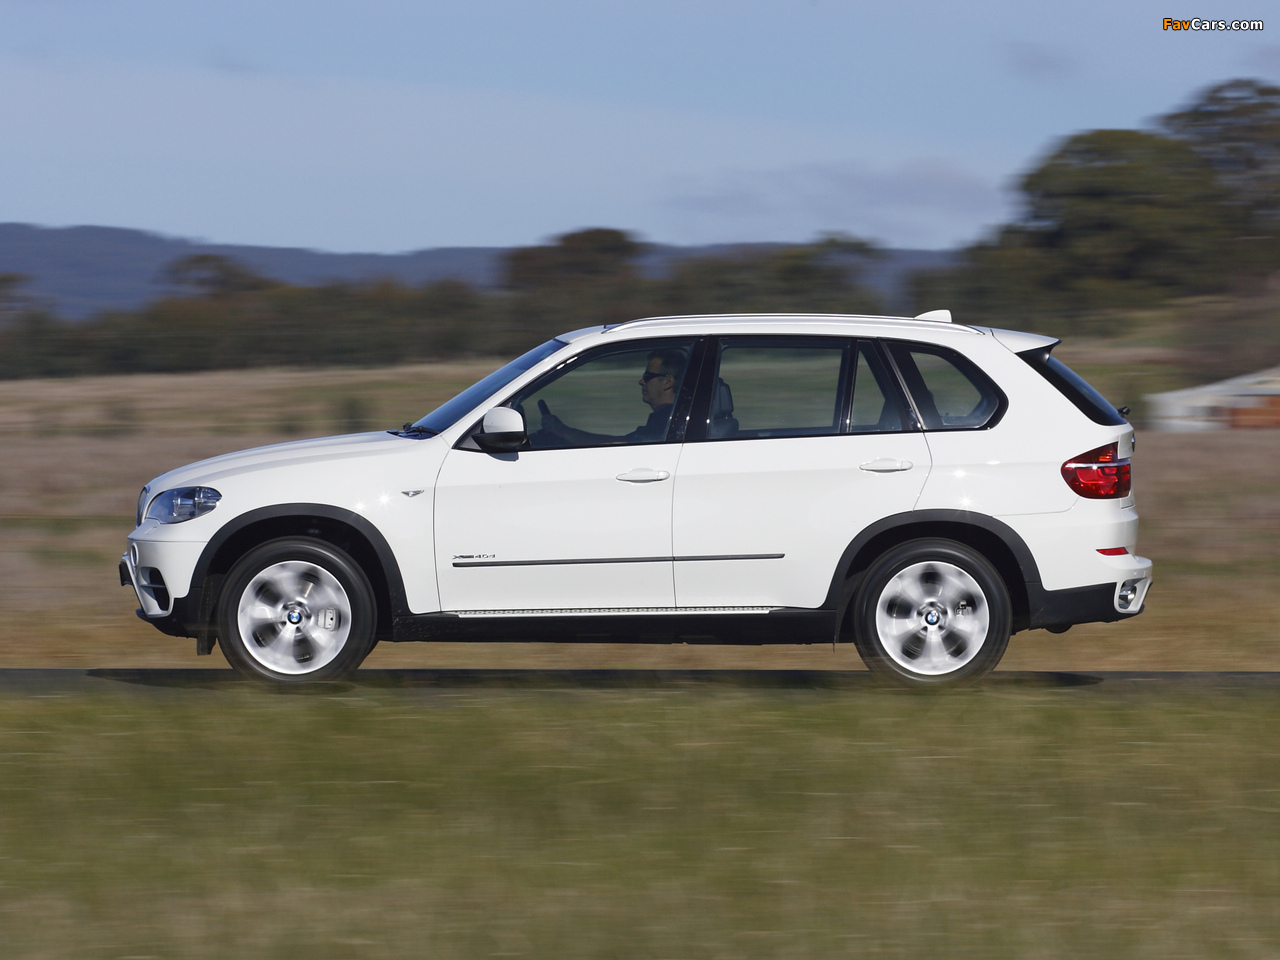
(658, 386)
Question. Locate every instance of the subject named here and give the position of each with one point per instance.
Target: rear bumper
(1098, 603)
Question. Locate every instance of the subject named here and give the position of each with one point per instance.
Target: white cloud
(925, 203)
(341, 164)
(1039, 62)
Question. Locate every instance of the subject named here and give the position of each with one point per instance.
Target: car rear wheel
(931, 612)
(294, 611)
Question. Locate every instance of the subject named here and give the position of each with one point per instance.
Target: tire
(295, 611)
(931, 613)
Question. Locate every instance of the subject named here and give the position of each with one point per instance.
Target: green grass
(689, 821)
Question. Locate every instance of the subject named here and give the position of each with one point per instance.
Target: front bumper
(148, 583)
(159, 570)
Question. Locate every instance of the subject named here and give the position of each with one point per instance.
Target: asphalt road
(64, 682)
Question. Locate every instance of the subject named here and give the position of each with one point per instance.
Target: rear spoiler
(1020, 342)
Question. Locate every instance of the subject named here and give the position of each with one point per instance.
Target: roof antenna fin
(937, 316)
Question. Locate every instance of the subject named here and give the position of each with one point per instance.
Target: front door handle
(886, 465)
(643, 475)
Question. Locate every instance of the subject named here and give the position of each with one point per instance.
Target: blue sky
(390, 126)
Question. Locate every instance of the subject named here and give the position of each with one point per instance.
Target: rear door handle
(886, 465)
(643, 475)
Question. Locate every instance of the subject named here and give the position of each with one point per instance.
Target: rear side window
(948, 389)
(874, 408)
(1075, 388)
(778, 388)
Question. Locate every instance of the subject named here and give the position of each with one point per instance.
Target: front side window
(948, 389)
(619, 395)
(447, 414)
(782, 388)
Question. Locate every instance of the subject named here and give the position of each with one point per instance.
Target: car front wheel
(296, 610)
(932, 612)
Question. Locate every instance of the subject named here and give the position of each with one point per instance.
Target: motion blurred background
(457, 186)
(229, 225)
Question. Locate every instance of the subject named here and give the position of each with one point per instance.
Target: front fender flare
(194, 609)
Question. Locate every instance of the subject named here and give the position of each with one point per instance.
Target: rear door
(797, 444)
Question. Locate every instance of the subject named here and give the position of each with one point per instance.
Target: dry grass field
(75, 453)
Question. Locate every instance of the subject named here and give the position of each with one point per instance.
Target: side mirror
(502, 431)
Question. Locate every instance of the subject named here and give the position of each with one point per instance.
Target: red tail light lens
(1099, 474)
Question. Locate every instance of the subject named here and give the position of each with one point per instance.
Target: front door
(580, 521)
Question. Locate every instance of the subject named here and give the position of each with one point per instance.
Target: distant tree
(599, 253)
(1111, 218)
(844, 245)
(32, 342)
(823, 276)
(454, 314)
(214, 276)
(12, 302)
(829, 265)
(1235, 128)
(1126, 206)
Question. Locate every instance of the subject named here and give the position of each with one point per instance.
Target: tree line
(1133, 218)
(1110, 219)
(227, 316)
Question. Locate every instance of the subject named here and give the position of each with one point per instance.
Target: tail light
(1099, 474)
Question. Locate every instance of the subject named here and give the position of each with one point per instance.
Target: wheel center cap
(294, 617)
(933, 618)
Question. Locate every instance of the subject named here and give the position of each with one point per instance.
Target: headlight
(185, 503)
(142, 504)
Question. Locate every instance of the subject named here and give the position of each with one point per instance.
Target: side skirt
(776, 626)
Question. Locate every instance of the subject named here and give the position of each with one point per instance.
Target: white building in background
(1252, 400)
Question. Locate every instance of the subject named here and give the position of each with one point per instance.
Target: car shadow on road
(453, 678)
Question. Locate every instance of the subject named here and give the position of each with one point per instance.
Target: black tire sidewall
(360, 638)
(866, 636)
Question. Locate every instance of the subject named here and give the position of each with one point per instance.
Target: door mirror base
(501, 431)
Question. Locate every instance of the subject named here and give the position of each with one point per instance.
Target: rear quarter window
(1075, 388)
(947, 388)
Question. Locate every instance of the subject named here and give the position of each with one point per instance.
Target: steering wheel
(541, 438)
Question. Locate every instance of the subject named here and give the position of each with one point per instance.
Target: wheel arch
(344, 529)
(995, 540)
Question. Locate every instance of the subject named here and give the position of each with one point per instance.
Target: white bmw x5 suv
(920, 488)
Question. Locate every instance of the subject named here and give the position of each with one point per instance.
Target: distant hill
(82, 271)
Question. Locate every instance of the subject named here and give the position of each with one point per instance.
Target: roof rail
(753, 316)
(937, 316)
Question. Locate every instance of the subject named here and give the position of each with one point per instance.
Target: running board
(735, 625)
(610, 612)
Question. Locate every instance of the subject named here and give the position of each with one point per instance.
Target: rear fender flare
(1018, 567)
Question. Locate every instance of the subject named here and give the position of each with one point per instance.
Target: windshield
(447, 414)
